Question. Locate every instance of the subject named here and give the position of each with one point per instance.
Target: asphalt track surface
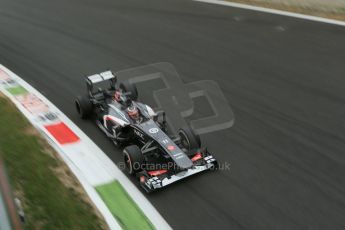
(283, 77)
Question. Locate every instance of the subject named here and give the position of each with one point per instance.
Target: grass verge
(123, 207)
(51, 195)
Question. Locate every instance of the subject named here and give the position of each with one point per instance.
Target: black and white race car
(154, 156)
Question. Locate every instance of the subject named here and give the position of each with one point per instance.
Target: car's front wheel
(189, 139)
(133, 158)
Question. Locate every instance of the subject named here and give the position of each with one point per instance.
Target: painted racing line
(119, 201)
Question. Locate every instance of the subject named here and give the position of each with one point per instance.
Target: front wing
(154, 183)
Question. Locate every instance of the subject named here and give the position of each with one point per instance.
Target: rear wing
(96, 78)
(101, 77)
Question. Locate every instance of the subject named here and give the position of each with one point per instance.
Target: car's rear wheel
(133, 158)
(189, 139)
(131, 88)
(83, 106)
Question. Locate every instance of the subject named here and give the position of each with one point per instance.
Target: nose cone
(176, 154)
(179, 157)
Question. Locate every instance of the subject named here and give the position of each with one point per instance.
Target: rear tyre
(133, 158)
(189, 139)
(128, 87)
(83, 106)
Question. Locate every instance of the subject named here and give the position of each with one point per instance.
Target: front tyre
(133, 158)
(189, 140)
(83, 106)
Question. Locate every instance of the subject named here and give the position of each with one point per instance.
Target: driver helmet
(133, 112)
(117, 96)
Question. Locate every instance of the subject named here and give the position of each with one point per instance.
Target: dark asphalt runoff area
(283, 77)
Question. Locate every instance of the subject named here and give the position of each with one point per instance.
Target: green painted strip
(124, 209)
(18, 90)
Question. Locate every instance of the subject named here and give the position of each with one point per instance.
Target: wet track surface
(284, 79)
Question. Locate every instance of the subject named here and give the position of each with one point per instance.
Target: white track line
(272, 11)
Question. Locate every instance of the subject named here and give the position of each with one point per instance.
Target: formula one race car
(154, 156)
